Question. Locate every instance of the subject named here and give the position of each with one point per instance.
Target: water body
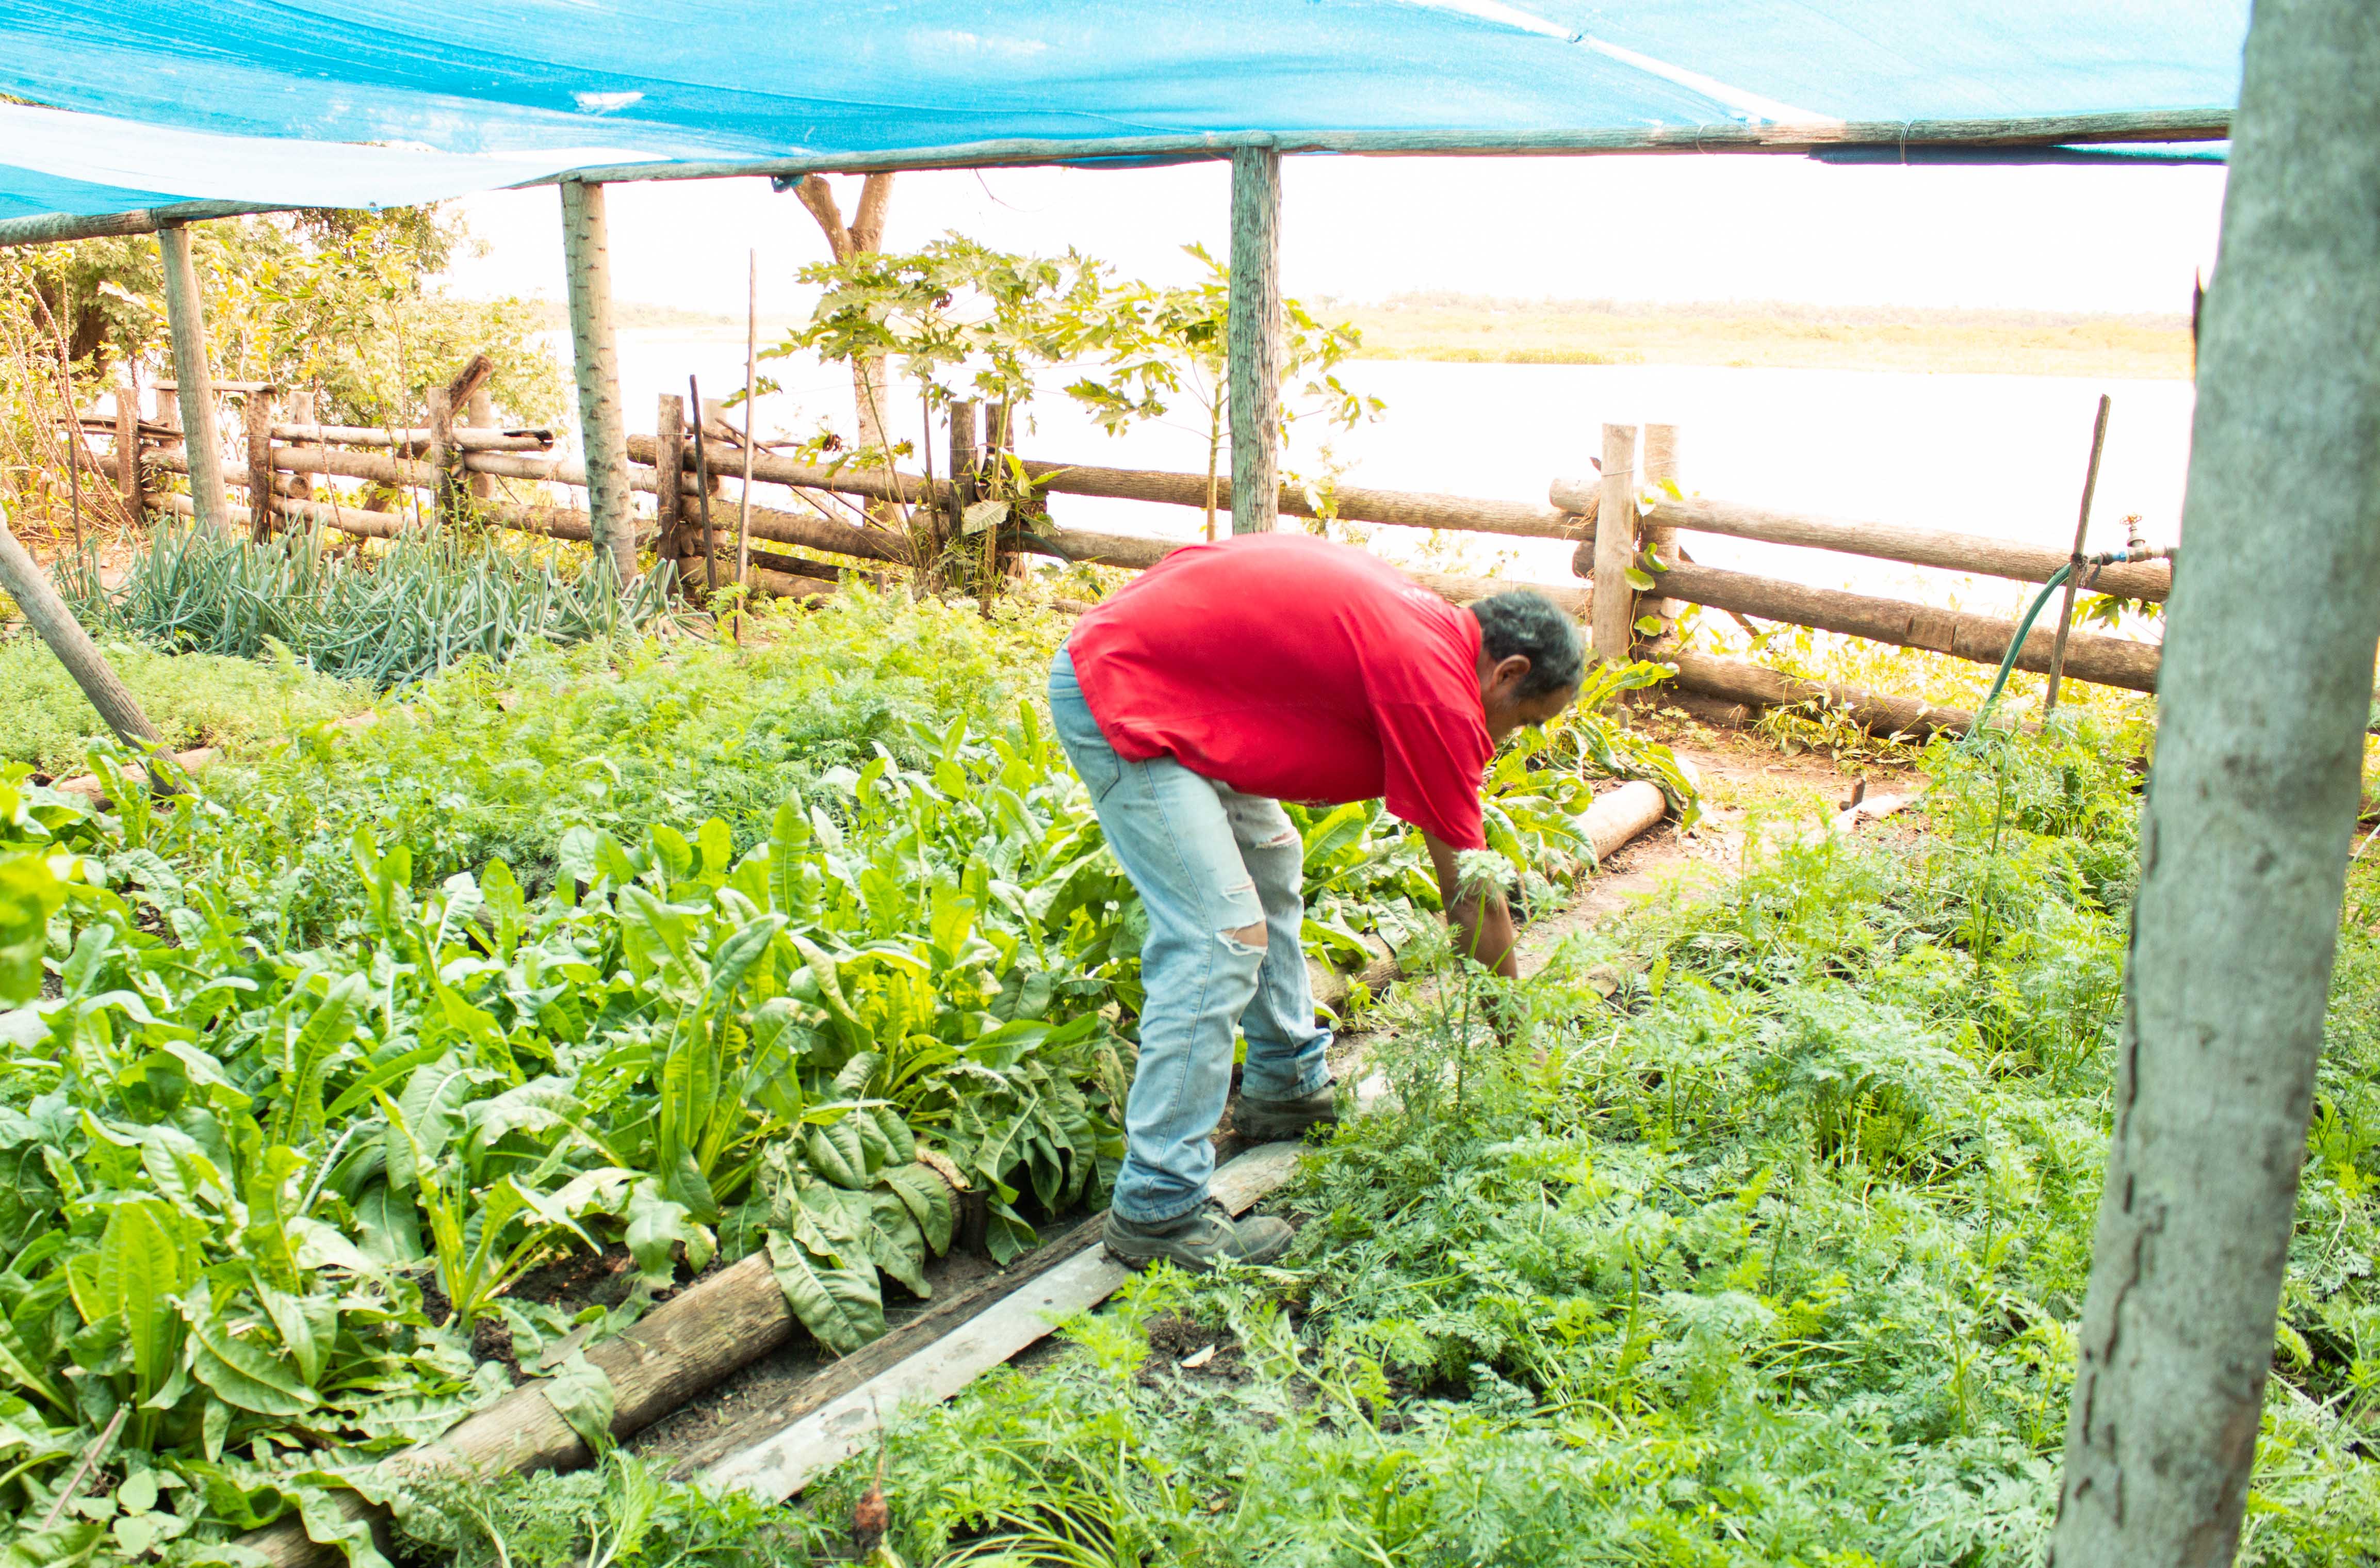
(1996, 454)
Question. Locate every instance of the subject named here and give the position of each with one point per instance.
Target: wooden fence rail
(426, 460)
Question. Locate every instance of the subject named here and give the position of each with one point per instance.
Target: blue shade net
(373, 103)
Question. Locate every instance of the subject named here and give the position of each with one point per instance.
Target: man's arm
(1483, 925)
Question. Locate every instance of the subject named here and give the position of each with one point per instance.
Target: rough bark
(193, 389)
(2250, 807)
(862, 236)
(1254, 346)
(587, 256)
(31, 588)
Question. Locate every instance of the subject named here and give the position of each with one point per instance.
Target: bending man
(1228, 679)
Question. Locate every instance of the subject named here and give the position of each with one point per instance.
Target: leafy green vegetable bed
(690, 952)
(1775, 1258)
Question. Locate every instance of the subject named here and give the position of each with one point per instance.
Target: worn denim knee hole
(1246, 941)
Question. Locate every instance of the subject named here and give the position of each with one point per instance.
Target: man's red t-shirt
(1285, 665)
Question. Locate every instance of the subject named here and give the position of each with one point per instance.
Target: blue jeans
(1209, 861)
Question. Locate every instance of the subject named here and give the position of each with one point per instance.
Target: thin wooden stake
(751, 428)
(2075, 564)
(702, 486)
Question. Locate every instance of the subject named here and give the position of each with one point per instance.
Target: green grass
(194, 700)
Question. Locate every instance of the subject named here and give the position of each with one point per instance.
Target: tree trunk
(587, 254)
(862, 236)
(1254, 339)
(29, 586)
(2244, 840)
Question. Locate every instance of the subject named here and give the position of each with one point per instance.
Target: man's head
(1529, 660)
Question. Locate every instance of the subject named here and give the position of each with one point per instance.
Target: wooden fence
(449, 469)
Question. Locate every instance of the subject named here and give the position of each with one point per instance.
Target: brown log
(761, 579)
(1739, 681)
(554, 522)
(127, 449)
(669, 473)
(1410, 509)
(1660, 539)
(681, 1347)
(472, 437)
(442, 455)
(484, 423)
(1892, 541)
(2108, 661)
(1614, 550)
(256, 409)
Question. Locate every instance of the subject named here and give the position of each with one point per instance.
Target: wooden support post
(482, 417)
(48, 615)
(445, 457)
(2074, 561)
(1615, 546)
(256, 407)
(193, 382)
(2250, 814)
(1661, 543)
(1254, 339)
(127, 450)
(669, 480)
(596, 365)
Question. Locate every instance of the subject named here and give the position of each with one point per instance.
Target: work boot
(1197, 1241)
(1257, 1117)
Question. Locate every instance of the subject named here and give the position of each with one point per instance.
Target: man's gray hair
(1526, 622)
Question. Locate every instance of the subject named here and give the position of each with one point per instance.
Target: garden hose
(2023, 631)
(2057, 580)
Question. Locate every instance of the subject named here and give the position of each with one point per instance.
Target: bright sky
(1643, 228)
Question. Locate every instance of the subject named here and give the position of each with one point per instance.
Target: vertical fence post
(1254, 330)
(482, 410)
(1615, 545)
(587, 256)
(127, 449)
(669, 479)
(440, 404)
(256, 409)
(1661, 543)
(193, 384)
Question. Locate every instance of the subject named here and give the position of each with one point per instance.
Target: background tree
(863, 236)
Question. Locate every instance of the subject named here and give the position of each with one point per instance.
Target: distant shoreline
(1470, 329)
(1770, 336)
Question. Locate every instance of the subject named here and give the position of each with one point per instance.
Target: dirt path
(1742, 779)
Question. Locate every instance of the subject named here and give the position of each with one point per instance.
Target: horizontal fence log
(1887, 541)
(1738, 680)
(470, 438)
(2107, 661)
(848, 480)
(1400, 509)
(554, 522)
(763, 580)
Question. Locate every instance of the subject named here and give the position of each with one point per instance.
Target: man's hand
(1483, 925)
